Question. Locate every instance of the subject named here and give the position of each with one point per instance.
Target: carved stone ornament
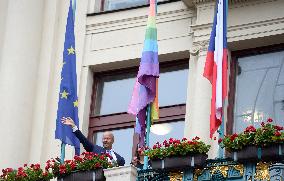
(198, 47)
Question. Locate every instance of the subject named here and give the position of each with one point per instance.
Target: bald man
(108, 140)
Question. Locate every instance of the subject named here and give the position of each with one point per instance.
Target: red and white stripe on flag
(215, 69)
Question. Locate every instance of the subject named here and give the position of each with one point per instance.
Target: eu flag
(68, 100)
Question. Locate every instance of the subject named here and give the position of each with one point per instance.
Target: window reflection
(110, 5)
(172, 90)
(259, 90)
(162, 131)
(123, 139)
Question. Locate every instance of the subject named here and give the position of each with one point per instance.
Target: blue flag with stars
(68, 100)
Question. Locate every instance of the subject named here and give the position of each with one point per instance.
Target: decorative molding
(136, 21)
(239, 32)
(262, 171)
(191, 3)
(199, 47)
(277, 171)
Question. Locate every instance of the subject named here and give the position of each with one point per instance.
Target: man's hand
(135, 161)
(68, 121)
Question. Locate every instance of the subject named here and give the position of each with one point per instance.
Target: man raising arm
(108, 140)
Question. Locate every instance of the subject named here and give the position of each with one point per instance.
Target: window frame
(121, 120)
(102, 11)
(233, 75)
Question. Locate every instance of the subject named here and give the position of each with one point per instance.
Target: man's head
(108, 140)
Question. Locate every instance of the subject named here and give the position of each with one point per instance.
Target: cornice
(235, 33)
(192, 3)
(136, 21)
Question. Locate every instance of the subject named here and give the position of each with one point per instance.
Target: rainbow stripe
(145, 91)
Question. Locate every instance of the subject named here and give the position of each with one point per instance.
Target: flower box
(249, 153)
(179, 162)
(187, 161)
(172, 153)
(157, 164)
(272, 152)
(253, 154)
(94, 175)
(253, 144)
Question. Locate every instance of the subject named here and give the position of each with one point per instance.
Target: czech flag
(215, 69)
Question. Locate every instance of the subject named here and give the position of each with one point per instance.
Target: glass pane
(173, 87)
(259, 90)
(163, 131)
(109, 5)
(121, 4)
(114, 92)
(123, 139)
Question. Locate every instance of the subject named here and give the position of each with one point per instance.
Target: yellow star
(71, 50)
(64, 94)
(76, 103)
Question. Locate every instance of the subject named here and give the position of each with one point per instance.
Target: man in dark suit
(108, 140)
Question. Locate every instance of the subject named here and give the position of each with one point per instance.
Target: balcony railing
(219, 170)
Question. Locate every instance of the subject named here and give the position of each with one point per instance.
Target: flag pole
(221, 135)
(222, 127)
(148, 124)
(62, 157)
(63, 145)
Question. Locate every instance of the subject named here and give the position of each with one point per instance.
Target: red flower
(97, 165)
(262, 124)
(277, 133)
(278, 128)
(44, 174)
(232, 138)
(165, 142)
(250, 129)
(184, 139)
(220, 140)
(269, 120)
(196, 138)
(77, 158)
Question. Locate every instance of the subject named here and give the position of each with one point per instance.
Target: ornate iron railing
(219, 170)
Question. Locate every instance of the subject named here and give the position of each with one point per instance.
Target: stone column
(197, 121)
(19, 57)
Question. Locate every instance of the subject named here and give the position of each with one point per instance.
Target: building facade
(109, 41)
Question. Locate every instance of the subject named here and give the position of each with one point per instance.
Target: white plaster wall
(18, 73)
(3, 15)
(116, 37)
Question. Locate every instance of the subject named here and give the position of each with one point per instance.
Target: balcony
(219, 170)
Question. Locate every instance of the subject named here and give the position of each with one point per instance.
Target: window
(120, 136)
(110, 5)
(112, 93)
(259, 89)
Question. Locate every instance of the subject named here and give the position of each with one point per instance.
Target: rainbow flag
(146, 86)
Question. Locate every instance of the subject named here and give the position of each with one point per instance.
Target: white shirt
(111, 152)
